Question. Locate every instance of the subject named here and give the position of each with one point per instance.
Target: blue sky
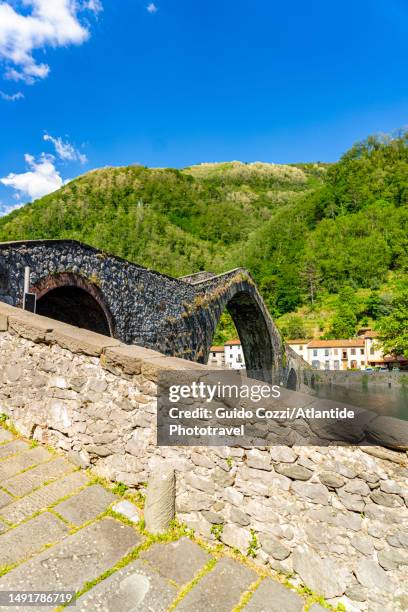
(92, 83)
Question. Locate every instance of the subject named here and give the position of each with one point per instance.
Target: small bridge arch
(73, 299)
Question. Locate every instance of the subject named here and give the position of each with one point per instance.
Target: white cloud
(49, 23)
(5, 209)
(152, 8)
(66, 150)
(41, 178)
(11, 97)
(92, 5)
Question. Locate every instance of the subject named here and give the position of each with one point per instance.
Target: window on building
(336, 364)
(315, 353)
(214, 354)
(300, 348)
(326, 352)
(336, 351)
(316, 364)
(372, 351)
(361, 351)
(327, 365)
(239, 359)
(353, 351)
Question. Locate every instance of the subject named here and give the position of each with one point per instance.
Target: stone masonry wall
(334, 517)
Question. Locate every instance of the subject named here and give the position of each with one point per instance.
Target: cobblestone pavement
(62, 530)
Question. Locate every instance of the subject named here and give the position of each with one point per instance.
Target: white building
(337, 354)
(234, 355)
(229, 356)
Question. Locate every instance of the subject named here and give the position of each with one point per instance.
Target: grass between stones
(175, 532)
(245, 597)
(188, 587)
(6, 423)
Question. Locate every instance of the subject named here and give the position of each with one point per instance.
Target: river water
(389, 401)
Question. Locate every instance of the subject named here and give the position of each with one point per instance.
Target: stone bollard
(160, 501)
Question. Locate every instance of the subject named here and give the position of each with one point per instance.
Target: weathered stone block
(134, 587)
(177, 561)
(271, 596)
(19, 543)
(293, 471)
(326, 576)
(86, 505)
(62, 568)
(79, 340)
(316, 493)
(128, 359)
(372, 576)
(222, 587)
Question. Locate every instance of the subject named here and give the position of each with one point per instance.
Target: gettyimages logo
(221, 408)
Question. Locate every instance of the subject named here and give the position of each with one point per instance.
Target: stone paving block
(12, 448)
(5, 499)
(17, 544)
(271, 596)
(5, 436)
(13, 465)
(43, 498)
(86, 505)
(28, 481)
(136, 587)
(79, 558)
(220, 590)
(179, 561)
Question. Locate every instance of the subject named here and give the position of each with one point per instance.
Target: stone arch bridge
(89, 288)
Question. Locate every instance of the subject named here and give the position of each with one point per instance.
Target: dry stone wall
(334, 518)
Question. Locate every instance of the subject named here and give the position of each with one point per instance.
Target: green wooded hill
(317, 237)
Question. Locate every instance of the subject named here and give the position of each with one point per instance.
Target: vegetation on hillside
(325, 243)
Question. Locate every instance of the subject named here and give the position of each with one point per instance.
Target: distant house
(216, 358)
(332, 354)
(375, 355)
(373, 350)
(229, 356)
(337, 354)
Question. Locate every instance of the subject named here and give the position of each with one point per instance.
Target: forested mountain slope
(309, 233)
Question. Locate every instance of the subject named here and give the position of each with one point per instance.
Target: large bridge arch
(73, 299)
(253, 333)
(236, 292)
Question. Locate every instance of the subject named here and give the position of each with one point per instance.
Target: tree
(343, 325)
(345, 321)
(376, 306)
(294, 327)
(393, 329)
(312, 278)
